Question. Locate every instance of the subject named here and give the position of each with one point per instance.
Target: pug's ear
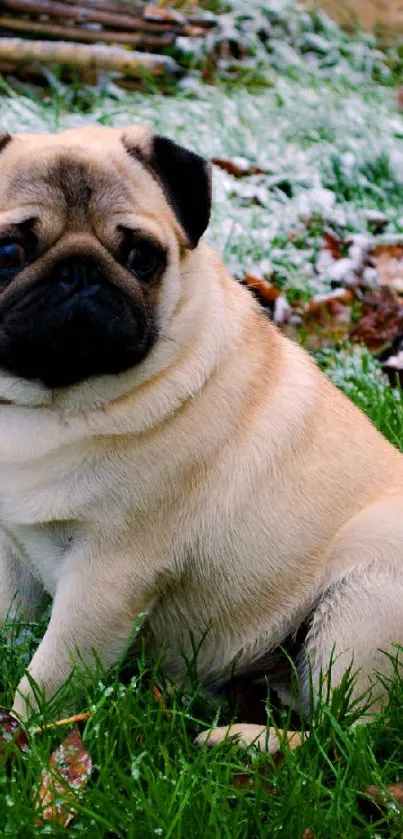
(5, 139)
(185, 178)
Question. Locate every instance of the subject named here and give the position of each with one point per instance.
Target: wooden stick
(80, 14)
(68, 721)
(129, 8)
(135, 9)
(77, 33)
(198, 20)
(87, 57)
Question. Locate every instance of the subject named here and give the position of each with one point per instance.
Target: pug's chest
(34, 496)
(77, 482)
(48, 509)
(45, 548)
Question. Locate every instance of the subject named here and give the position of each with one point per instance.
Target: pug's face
(93, 226)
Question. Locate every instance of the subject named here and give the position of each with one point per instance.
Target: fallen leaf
(388, 263)
(265, 291)
(377, 802)
(11, 732)
(323, 321)
(69, 770)
(160, 699)
(248, 781)
(239, 167)
(243, 780)
(308, 834)
(381, 321)
(332, 304)
(332, 242)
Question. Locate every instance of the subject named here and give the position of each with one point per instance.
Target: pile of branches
(131, 39)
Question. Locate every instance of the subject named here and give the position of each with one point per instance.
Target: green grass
(328, 128)
(150, 780)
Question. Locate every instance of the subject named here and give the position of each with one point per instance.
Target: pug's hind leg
(355, 624)
(360, 616)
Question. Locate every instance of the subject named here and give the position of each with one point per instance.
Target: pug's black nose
(77, 274)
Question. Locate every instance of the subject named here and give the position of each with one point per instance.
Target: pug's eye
(12, 255)
(144, 259)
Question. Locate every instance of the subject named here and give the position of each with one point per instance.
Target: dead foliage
(365, 305)
(377, 803)
(92, 35)
(12, 736)
(239, 167)
(63, 781)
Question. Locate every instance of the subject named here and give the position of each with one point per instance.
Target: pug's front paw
(245, 734)
(25, 702)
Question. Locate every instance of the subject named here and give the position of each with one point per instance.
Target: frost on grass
(324, 153)
(328, 137)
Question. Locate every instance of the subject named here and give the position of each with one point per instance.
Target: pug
(165, 449)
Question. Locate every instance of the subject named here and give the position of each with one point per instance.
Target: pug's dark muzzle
(72, 325)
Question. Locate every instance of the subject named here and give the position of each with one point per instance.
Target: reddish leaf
(248, 781)
(239, 167)
(382, 319)
(378, 802)
(391, 249)
(332, 304)
(325, 320)
(264, 290)
(387, 260)
(160, 699)
(11, 732)
(69, 770)
(332, 242)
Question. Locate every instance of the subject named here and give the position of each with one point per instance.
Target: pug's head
(94, 224)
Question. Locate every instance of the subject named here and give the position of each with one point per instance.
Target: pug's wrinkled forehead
(95, 178)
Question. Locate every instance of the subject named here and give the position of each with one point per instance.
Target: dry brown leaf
(239, 167)
(69, 770)
(308, 834)
(264, 290)
(387, 259)
(382, 319)
(332, 304)
(161, 701)
(11, 732)
(247, 781)
(325, 320)
(377, 802)
(332, 242)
